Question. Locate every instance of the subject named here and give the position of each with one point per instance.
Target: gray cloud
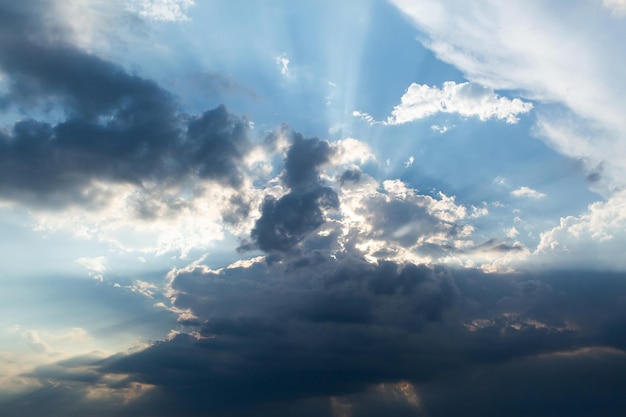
(286, 221)
(115, 126)
(319, 331)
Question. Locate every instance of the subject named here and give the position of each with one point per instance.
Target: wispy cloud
(161, 10)
(617, 7)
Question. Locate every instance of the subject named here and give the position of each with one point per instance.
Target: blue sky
(312, 208)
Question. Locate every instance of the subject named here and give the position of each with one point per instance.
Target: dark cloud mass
(284, 222)
(116, 126)
(314, 333)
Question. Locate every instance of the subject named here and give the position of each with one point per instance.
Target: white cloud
(364, 116)
(479, 211)
(595, 239)
(391, 220)
(512, 233)
(283, 64)
(33, 340)
(409, 162)
(500, 180)
(96, 264)
(530, 47)
(161, 10)
(466, 99)
(158, 220)
(350, 150)
(527, 192)
(440, 128)
(617, 7)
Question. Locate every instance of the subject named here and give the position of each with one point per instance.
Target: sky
(314, 208)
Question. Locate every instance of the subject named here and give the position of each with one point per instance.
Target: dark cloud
(350, 175)
(585, 382)
(286, 221)
(340, 333)
(304, 159)
(115, 126)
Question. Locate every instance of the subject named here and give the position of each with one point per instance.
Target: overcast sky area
(315, 208)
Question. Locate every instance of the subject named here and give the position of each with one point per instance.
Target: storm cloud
(318, 331)
(114, 126)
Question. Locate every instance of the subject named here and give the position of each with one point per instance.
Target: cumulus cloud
(527, 192)
(593, 238)
(466, 99)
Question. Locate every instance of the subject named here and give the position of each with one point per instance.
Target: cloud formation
(161, 10)
(527, 192)
(532, 49)
(617, 7)
(465, 99)
(315, 332)
(363, 296)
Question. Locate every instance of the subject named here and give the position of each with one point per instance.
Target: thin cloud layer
(161, 10)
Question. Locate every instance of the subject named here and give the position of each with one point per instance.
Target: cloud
(161, 10)
(527, 192)
(330, 333)
(617, 7)
(512, 233)
(96, 264)
(136, 134)
(286, 221)
(117, 155)
(341, 302)
(33, 340)
(283, 64)
(593, 238)
(360, 297)
(466, 99)
(532, 49)
(579, 108)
